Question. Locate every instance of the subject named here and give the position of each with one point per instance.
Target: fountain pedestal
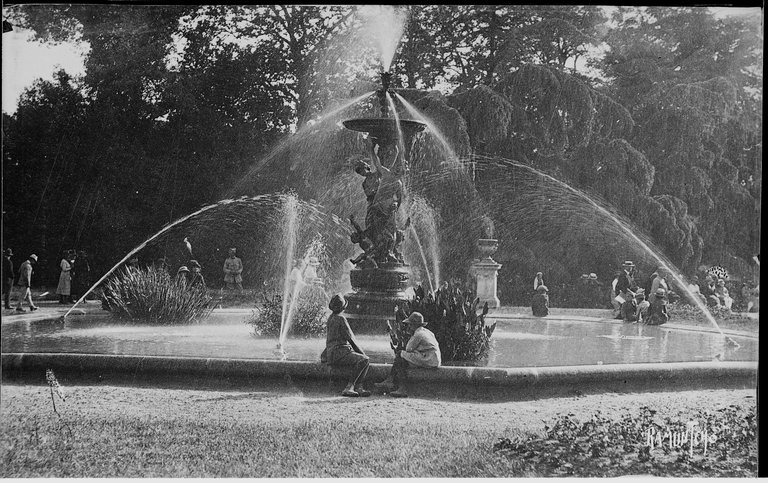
(486, 272)
(379, 284)
(376, 293)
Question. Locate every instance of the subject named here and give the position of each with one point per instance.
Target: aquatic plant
(452, 315)
(308, 319)
(151, 295)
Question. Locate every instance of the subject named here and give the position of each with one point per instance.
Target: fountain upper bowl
(383, 127)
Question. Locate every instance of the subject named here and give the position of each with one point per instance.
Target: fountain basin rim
(664, 374)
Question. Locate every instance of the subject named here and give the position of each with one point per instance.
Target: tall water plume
(383, 25)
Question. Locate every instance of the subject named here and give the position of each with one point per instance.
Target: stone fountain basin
(517, 342)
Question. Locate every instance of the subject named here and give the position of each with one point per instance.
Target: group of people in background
(646, 304)
(24, 281)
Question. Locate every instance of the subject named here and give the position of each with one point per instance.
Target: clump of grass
(151, 295)
(308, 318)
(452, 315)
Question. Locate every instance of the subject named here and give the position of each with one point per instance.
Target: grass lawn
(207, 429)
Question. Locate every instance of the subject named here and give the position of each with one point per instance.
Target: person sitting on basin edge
(422, 350)
(540, 302)
(342, 351)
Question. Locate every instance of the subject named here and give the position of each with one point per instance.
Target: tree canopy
(654, 112)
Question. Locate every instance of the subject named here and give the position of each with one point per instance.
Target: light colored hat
(337, 303)
(182, 268)
(593, 276)
(584, 275)
(628, 263)
(542, 288)
(660, 292)
(415, 319)
(33, 257)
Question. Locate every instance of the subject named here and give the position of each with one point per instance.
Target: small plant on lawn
(151, 295)
(55, 387)
(452, 315)
(308, 319)
(605, 447)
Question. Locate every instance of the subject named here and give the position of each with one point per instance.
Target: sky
(25, 60)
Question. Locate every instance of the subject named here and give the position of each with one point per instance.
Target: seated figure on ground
(342, 351)
(540, 302)
(629, 309)
(422, 350)
(657, 312)
(722, 294)
(642, 306)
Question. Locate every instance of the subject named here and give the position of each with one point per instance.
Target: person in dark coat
(629, 309)
(25, 284)
(8, 277)
(342, 350)
(540, 302)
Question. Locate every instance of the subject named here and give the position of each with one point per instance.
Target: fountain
(380, 276)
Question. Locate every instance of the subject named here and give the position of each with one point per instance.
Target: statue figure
(361, 238)
(384, 192)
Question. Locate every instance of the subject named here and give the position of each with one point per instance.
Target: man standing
(25, 282)
(233, 269)
(8, 277)
(624, 283)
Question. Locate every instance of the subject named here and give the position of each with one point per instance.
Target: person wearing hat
(342, 350)
(538, 280)
(64, 289)
(233, 269)
(196, 276)
(657, 312)
(8, 277)
(540, 302)
(182, 276)
(594, 290)
(422, 350)
(624, 282)
(25, 282)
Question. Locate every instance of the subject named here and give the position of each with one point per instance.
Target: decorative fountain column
(486, 271)
(380, 276)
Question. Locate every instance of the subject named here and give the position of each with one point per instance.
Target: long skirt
(65, 284)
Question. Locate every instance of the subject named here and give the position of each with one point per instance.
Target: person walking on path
(233, 269)
(422, 350)
(25, 284)
(342, 351)
(8, 277)
(64, 289)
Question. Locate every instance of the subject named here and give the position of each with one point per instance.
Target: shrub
(452, 316)
(308, 316)
(151, 295)
(604, 447)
